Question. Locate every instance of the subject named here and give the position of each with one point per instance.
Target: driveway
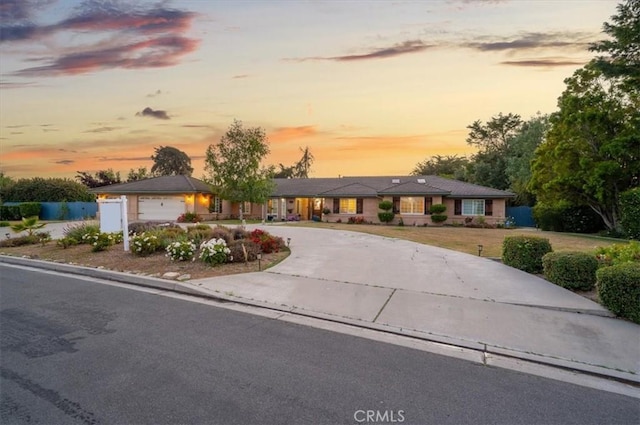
(437, 294)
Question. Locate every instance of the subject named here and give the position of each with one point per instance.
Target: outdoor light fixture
(8, 235)
(259, 257)
(480, 248)
(288, 242)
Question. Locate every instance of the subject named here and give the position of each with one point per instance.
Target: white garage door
(160, 207)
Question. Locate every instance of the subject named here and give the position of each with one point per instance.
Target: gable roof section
(162, 184)
(352, 189)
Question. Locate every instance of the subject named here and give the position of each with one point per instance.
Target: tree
(488, 166)
(623, 48)
(38, 189)
(233, 165)
(169, 161)
(303, 167)
(521, 151)
(591, 152)
(100, 178)
(140, 174)
(450, 166)
(298, 170)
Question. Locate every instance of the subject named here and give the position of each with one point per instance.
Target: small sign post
(113, 217)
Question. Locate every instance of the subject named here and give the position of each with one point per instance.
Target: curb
(189, 289)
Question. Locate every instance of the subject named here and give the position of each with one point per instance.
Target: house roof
(162, 184)
(368, 186)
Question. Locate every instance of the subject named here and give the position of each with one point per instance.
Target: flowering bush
(98, 241)
(189, 218)
(214, 252)
(181, 250)
(267, 242)
(145, 243)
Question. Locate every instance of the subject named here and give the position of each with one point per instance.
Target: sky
(371, 87)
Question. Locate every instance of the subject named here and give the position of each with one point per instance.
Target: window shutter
(457, 207)
(428, 201)
(359, 204)
(396, 204)
(488, 207)
(336, 206)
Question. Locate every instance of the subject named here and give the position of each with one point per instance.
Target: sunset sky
(372, 87)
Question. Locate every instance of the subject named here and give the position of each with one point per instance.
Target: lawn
(466, 239)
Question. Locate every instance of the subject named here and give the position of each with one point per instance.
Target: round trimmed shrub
(619, 289)
(571, 270)
(437, 209)
(525, 252)
(438, 218)
(386, 216)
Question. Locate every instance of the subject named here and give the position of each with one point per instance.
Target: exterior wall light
(480, 248)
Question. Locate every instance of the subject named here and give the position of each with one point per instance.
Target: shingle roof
(368, 186)
(162, 184)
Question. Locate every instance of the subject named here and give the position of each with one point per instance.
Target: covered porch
(294, 209)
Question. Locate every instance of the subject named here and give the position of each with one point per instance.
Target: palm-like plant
(30, 224)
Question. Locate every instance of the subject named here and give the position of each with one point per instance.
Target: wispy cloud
(240, 76)
(148, 112)
(544, 63)
(282, 134)
(105, 129)
(155, 94)
(406, 47)
(65, 162)
(532, 41)
(128, 37)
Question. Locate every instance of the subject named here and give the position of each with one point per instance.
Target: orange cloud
(284, 134)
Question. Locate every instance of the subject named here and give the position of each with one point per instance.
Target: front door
(316, 212)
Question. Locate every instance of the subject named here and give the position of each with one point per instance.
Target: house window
(411, 205)
(348, 206)
(246, 207)
(473, 207)
(272, 207)
(216, 205)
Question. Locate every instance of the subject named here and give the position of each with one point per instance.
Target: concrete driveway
(437, 294)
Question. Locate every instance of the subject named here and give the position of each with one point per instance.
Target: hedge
(619, 289)
(571, 270)
(10, 212)
(525, 252)
(30, 209)
(565, 217)
(630, 211)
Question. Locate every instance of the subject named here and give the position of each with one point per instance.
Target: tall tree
(623, 48)
(591, 153)
(170, 161)
(493, 138)
(284, 172)
(234, 165)
(99, 179)
(449, 166)
(521, 151)
(303, 166)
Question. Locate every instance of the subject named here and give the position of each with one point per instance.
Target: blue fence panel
(523, 216)
(76, 210)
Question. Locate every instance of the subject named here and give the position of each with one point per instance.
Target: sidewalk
(439, 295)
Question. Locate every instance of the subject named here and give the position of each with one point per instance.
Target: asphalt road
(78, 352)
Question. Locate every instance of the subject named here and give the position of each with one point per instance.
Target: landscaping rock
(184, 277)
(170, 275)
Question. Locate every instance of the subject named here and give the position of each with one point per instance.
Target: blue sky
(372, 87)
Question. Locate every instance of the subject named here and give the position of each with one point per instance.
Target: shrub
(439, 218)
(525, 252)
(565, 217)
(43, 237)
(199, 236)
(571, 270)
(267, 242)
(356, 220)
(78, 231)
(4, 224)
(66, 242)
(619, 253)
(619, 289)
(387, 215)
(181, 250)
(242, 251)
(19, 241)
(221, 232)
(437, 209)
(10, 212)
(100, 241)
(239, 233)
(630, 212)
(189, 217)
(214, 252)
(30, 209)
(146, 243)
(38, 189)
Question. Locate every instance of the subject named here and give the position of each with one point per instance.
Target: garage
(160, 207)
